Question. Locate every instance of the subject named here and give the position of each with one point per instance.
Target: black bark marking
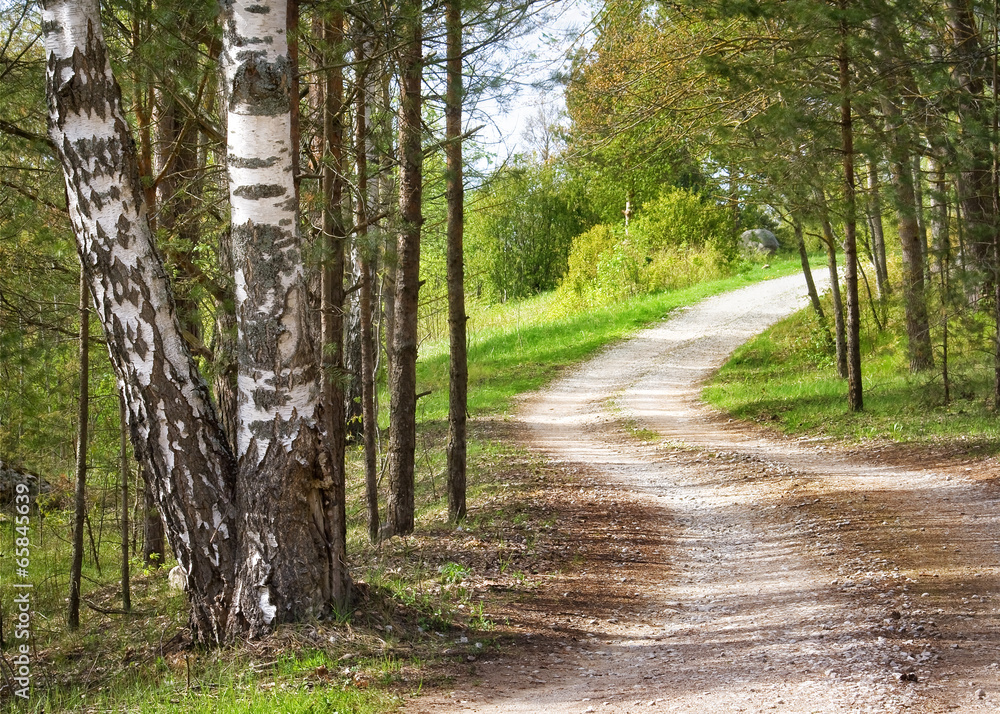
(81, 85)
(239, 162)
(261, 88)
(260, 191)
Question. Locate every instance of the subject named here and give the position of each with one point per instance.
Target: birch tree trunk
(286, 559)
(878, 231)
(172, 423)
(840, 332)
(403, 365)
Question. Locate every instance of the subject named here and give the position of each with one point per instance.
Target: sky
(547, 51)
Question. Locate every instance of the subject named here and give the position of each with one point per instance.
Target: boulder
(10, 477)
(177, 579)
(760, 240)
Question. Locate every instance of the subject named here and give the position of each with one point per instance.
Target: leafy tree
(522, 229)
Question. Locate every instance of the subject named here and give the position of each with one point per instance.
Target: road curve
(794, 568)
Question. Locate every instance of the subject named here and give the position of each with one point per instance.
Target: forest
(259, 267)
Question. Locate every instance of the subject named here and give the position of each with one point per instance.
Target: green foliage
(675, 241)
(519, 231)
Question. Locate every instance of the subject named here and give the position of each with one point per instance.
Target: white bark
(277, 388)
(170, 416)
(286, 557)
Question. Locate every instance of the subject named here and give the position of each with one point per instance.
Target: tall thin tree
(403, 364)
(83, 417)
(459, 368)
(855, 399)
(332, 306)
(364, 206)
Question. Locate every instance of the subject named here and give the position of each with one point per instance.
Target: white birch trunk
(286, 559)
(171, 419)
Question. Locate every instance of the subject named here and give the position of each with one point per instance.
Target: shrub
(520, 230)
(676, 241)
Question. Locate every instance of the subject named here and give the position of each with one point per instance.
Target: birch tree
(172, 422)
(252, 531)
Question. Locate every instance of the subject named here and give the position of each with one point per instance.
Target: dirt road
(766, 573)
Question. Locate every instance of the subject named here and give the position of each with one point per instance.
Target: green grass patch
(786, 378)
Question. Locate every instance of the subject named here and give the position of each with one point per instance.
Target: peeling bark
(172, 423)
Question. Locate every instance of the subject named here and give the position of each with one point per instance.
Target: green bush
(519, 231)
(682, 219)
(677, 240)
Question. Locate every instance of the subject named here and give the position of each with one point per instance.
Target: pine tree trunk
(171, 419)
(975, 188)
(125, 477)
(176, 164)
(459, 368)
(154, 540)
(390, 257)
(402, 368)
(365, 203)
(807, 273)
(901, 168)
(855, 388)
(334, 422)
(83, 417)
(224, 347)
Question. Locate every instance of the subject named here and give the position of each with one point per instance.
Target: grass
(422, 600)
(786, 378)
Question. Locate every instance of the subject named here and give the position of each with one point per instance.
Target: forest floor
(702, 565)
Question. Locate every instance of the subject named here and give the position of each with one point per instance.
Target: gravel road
(775, 574)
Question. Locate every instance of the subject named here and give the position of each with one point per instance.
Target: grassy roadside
(786, 378)
(518, 347)
(441, 597)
